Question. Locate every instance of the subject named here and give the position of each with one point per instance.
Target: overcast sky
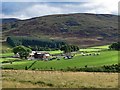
(26, 9)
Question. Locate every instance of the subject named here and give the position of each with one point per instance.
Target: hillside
(82, 29)
(8, 20)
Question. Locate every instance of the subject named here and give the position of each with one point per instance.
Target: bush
(6, 61)
(105, 68)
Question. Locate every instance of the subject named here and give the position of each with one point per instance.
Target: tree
(22, 51)
(65, 48)
(69, 48)
(74, 48)
(115, 46)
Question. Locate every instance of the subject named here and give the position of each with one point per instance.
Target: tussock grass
(57, 79)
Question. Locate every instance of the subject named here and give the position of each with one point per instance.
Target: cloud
(27, 10)
(42, 10)
(32, 11)
(60, 1)
(101, 7)
(46, 0)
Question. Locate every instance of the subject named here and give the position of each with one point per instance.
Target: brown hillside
(82, 29)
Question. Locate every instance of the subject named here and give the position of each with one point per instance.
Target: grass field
(33, 78)
(55, 79)
(6, 54)
(95, 48)
(90, 50)
(102, 47)
(105, 58)
(54, 52)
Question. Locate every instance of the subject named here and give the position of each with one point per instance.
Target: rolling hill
(83, 29)
(8, 20)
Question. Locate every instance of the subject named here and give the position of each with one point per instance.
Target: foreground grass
(40, 79)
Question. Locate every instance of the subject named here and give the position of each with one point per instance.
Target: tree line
(35, 43)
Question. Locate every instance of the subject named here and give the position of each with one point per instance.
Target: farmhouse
(39, 55)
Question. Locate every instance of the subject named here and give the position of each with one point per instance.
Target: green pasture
(9, 54)
(101, 47)
(18, 65)
(95, 48)
(54, 52)
(89, 50)
(8, 59)
(6, 54)
(105, 58)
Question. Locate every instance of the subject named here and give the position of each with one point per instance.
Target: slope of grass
(5, 48)
(90, 50)
(55, 52)
(18, 65)
(8, 59)
(95, 48)
(101, 47)
(9, 54)
(80, 61)
(105, 58)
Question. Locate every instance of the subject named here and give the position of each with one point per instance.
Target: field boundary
(31, 64)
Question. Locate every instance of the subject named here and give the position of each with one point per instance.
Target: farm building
(39, 55)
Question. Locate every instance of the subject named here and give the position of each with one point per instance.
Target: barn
(39, 55)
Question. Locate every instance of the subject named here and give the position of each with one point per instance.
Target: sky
(25, 9)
